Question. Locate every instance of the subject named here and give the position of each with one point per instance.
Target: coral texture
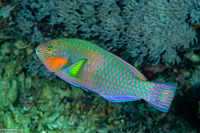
(195, 80)
(147, 28)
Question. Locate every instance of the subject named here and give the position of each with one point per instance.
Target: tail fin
(163, 96)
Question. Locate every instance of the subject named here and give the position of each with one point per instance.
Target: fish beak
(36, 51)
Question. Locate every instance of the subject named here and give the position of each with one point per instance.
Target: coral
(25, 20)
(153, 29)
(8, 93)
(195, 79)
(195, 12)
(37, 36)
(162, 30)
(5, 11)
(26, 103)
(24, 23)
(151, 71)
(199, 110)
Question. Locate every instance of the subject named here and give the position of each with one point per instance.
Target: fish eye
(50, 49)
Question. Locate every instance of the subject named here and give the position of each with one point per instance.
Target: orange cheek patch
(55, 63)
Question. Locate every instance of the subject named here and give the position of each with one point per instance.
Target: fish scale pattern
(106, 73)
(102, 72)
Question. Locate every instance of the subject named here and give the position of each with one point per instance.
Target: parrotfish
(86, 65)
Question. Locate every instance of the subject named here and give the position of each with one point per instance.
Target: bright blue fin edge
(119, 98)
(80, 87)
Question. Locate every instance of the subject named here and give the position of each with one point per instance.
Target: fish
(90, 67)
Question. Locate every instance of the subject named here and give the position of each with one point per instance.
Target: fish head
(48, 54)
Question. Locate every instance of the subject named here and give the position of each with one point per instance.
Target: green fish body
(90, 67)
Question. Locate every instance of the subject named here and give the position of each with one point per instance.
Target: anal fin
(80, 87)
(113, 98)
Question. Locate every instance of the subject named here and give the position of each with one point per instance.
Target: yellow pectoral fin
(74, 69)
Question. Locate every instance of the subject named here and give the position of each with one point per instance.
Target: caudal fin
(163, 96)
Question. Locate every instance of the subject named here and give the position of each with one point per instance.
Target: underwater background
(158, 37)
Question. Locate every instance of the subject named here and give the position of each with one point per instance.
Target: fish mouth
(39, 54)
